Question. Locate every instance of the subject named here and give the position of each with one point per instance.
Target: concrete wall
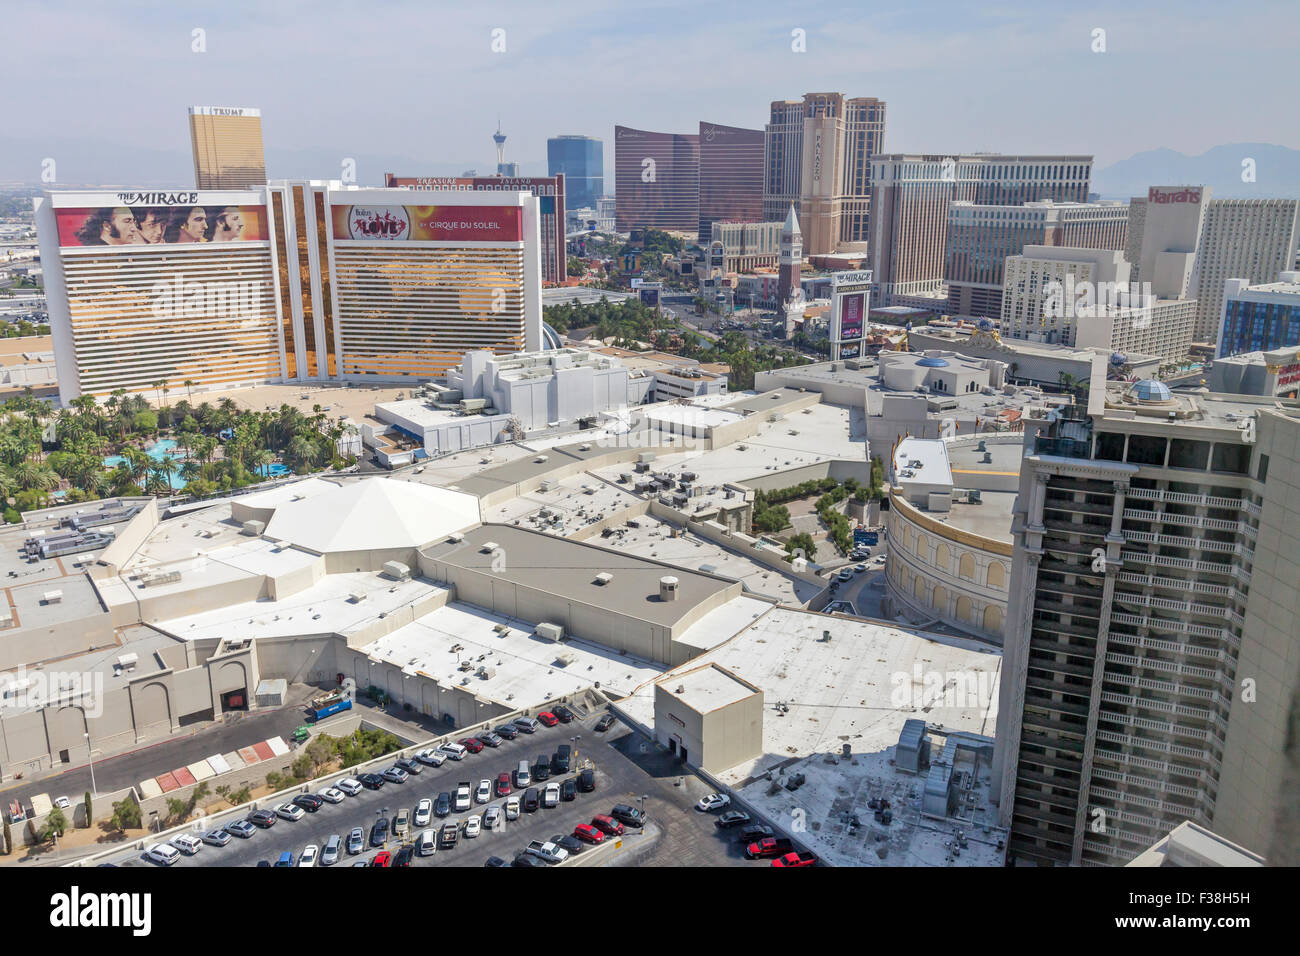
(129, 537)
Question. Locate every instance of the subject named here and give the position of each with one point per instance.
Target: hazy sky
(420, 79)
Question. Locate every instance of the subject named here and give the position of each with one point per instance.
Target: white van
(454, 751)
(425, 843)
(162, 853)
(187, 844)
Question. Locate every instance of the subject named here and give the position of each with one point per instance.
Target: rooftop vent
(604, 578)
(488, 547)
(668, 588)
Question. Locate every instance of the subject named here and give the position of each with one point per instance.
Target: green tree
(55, 825)
(8, 838)
(126, 815)
(90, 813)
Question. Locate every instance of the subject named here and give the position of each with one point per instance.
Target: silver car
(330, 855)
(216, 838)
(356, 840)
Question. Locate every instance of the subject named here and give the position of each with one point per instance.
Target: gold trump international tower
(296, 281)
(227, 146)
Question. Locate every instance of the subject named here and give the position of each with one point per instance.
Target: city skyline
(948, 78)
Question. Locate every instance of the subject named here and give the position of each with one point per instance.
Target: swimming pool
(275, 470)
(163, 448)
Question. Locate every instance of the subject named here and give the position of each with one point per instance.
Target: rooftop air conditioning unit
(550, 632)
(456, 537)
(52, 597)
(604, 578)
(488, 547)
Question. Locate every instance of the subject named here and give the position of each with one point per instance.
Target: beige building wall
(227, 147)
(715, 740)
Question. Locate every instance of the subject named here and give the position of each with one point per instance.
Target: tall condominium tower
(581, 159)
(656, 180)
(817, 155)
(227, 147)
(1152, 644)
(910, 195)
(731, 176)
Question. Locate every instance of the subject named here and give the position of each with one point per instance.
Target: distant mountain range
(1277, 172)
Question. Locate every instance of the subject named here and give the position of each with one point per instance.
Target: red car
(548, 718)
(472, 744)
(607, 825)
(381, 859)
(588, 834)
(795, 859)
(503, 784)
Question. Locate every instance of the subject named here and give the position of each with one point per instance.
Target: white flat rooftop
(692, 415)
(707, 689)
(932, 454)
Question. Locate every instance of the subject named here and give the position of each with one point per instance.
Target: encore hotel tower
(295, 281)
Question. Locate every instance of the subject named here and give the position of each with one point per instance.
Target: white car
(434, 758)
(309, 854)
(187, 844)
(291, 812)
(473, 827)
(63, 803)
(423, 811)
(484, 792)
(491, 818)
(349, 786)
(216, 837)
(454, 751)
(551, 796)
(395, 774)
(426, 843)
(512, 808)
(162, 853)
(332, 795)
(714, 801)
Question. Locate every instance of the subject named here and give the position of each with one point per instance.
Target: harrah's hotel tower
(292, 281)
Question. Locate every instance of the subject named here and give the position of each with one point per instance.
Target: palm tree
(189, 389)
(155, 486)
(160, 384)
(137, 464)
(165, 468)
(29, 475)
(303, 451)
(260, 459)
(97, 484)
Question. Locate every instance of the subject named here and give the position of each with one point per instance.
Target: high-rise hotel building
(817, 156)
(656, 180)
(296, 281)
(227, 146)
(910, 197)
(1152, 645)
(731, 176)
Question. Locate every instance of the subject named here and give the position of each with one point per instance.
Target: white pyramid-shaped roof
(791, 221)
(373, 514)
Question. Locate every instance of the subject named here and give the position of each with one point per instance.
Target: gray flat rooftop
(764, 400)
(569, 568)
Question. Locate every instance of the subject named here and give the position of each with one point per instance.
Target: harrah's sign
(1161, 197)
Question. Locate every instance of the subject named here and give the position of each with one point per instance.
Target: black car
(410, 766)
(403, 856)
(509, 732)
(308, 801)
(570, 843)
(442, 806)
(542, 769)
(732, 818)
(632, 817)
(602, 725)
(587, 780)
(531, 800)
(371, 781)
(753, 833)
(560, 762)
(379, 832)
(568, 789)
(565, 715)
(495, 861)
(262, 818)
(527, 859)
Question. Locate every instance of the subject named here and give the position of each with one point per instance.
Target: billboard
(429, 223)
(852, 308)
(850, 350)
(176, 223)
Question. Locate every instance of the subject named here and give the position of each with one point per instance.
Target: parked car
(454, 751)
(607, 825)
(587, 780)
(859, 568)
(768, 847)
(564, 714)
(588, 833)
(371, 781)
(216, 837)
(423, 812)
(541, 769)
(569, 843)
(413, 767)
(796, 859)
(483, 792)
(472, 744)
(403, 856)
(473, 826)
(527, 859)
(753, 833)
(447, 836)
(604, 723)
(401, 823)
(508, 731)
(290, 811)
(263, 818)
(187, 844)
(714, 801)
(491, 818)
(547, 851)
(379, 832)
(442, 806)
(526, 725)
(568, 789)
(531, 800)
(732, 818)
(462, 799)
(241, 828)
(560, 761)
(425, 843)
(630, 816)
(503, 785)
(512, 808)
(490, 739)
(495, 861)
(333, 849)
(395, 774)
(548, 719)
(63, 803)
(332, 795)
(383, 858)
(551, 796)
(309, 854)
(308, 801)
(356, 841)
(349, 785)
(286, 859)
(434, 758)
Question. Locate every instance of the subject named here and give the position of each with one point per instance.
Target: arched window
(997, 575)
(966, 567)
(963, 609)
(993, 619)
(939, 600)
(943, 558)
